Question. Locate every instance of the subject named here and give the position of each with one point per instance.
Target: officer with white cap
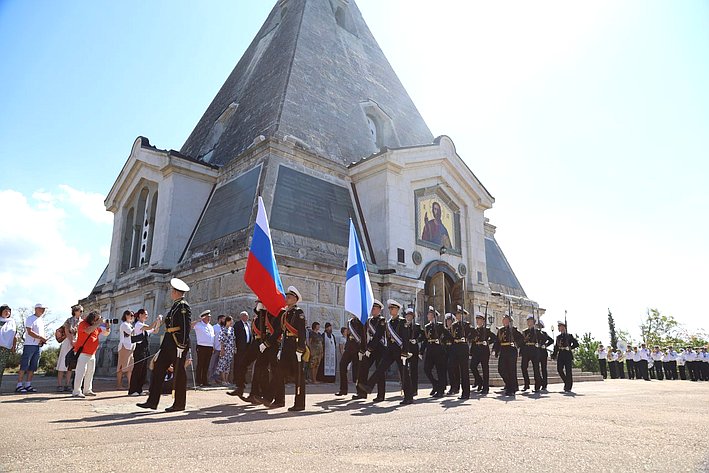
(481, 340)
(508, 341)
(565, 342)
(397, 351)
(530, 353)
(434, 353)
(290, 358)
(371, 351)
(173, 349)
(544, 342)
(414, 340)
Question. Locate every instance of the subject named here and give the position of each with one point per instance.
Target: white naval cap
(449, 315)
(561, 322)
(540, 323)
(392, 302)
(507, 316)
(39, 306)
(292, 290)
(179, 285)
(378, 302)
(530, 317)
(206, 312)
(479, 315)
(409, 310)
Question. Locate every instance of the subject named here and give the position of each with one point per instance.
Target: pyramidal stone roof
(315, 72)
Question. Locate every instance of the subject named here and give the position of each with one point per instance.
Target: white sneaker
(78, 395)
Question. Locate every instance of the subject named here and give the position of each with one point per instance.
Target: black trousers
(621, 370)
(412, 365)
(243, 359)
(204, 355)
(671, 369)
(604, 368)
(564, 365)
(392, 355)
(167, 357)
(287, 366)
(481, 357)
(453, 373)
(435, 357)
(704, 370)
(139, 373)
(644, 372)
(630, 364)
(682, 372)
(658, 370)
(265, 371)
(459, 352)
(543, 358)
(507, 367)
(349, 356)
(531, 355)
(613, 369)
(375, 359)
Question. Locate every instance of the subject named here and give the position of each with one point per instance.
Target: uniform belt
(173, 329)
(506, 344)
(449, 343)
(481, 343)
(434, 341)
(565, 348)
(460, 340)
(291, 335)
(351, 338)
(531, 344)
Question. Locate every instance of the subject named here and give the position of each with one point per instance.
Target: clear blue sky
(588, 123)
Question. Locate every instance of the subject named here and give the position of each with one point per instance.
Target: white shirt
(601, 354)
(690, 356)
(680, 358)
(36, 324)
(636, 355)
(138, 328)
(704, 356)
(629, 355)
(205, 334)
(217, 329)
(124, 329)
(644, 354)
(612, 356)
(671, 356)
(247, 329)
(657, 356)
(7, 332)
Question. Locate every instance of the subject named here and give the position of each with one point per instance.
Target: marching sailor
(353, 343)
(544, 342)
(173, 350)
(481, 339)
(508, 339)
(434, 354)
(371, 351)
(530, 353)
(565, 342)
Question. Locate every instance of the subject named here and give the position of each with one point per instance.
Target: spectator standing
(87, 340)
(141, 333)
(8, 336)
(70, 328)
(125, 349)
(217, 348)
(205, 347)
(227, 344)
(315, 343)
(34, 340)
(329, 363)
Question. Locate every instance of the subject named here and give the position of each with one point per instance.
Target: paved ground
(610, 426)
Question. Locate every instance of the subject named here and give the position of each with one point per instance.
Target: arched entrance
(443, 287)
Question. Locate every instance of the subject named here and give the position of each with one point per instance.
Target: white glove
(361, 355)
(279, 356)
(180, 351)
(404, 359)
(259, 307)
(262, 347)
(420, 357)
(470, 357)
(412, 341)
(299, 355)
(367, 353)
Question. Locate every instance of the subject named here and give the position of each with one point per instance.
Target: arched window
(127, 241)
(138, 228)
(150, 227)
(373, 130)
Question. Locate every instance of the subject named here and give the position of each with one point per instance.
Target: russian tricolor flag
(261, 271)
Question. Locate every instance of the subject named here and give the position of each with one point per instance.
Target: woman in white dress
(70, 325)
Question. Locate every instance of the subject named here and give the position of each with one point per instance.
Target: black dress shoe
(358, 396)
(378, 399)
(406, 402)
(439, 394)
(174, 409)
(340, 394)
(433, 392)
(235, 392)
(485, 391)
(276, 405)
(480, 388)
(296, 409)
(146, 405)
(525, 388)
(509, 393)
(463, 397)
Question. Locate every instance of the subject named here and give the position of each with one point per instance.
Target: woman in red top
(87, 340)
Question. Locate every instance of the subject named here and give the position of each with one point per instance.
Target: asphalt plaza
(615, 425)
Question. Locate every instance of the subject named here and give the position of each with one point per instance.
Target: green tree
(625, 336)
(611, 330)
(658, 329)
(585, 357)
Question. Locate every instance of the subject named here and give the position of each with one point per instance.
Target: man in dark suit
(245, 355)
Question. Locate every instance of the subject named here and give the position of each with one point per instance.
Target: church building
(314, 119)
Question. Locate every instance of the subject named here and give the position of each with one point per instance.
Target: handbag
(72, 357)
(60, 334)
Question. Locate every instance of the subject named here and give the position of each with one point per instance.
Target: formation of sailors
(642, 363)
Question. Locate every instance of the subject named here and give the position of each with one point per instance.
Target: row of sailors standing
(642, 363)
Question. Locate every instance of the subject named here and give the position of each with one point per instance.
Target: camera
(111, 321)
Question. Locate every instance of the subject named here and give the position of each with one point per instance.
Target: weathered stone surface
(326, 293)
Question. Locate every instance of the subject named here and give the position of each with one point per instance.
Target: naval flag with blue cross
(359, 297)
